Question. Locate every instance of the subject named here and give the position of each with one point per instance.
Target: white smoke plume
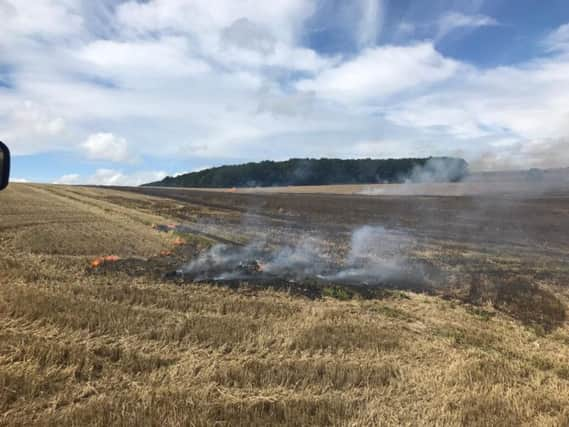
(375, 254)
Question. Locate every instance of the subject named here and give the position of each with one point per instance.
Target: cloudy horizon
(126, 92)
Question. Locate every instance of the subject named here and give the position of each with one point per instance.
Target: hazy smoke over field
(435, 170)
(374, 254)
(439, 170)
(307, 258)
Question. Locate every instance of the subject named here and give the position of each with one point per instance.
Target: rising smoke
(375, 255)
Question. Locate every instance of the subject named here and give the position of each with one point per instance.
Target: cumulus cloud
(204, 19)
(32, 118)
(167, 57)
(112, 177)
(68, 179)
(46, 18)
(558, 40)
(382, 71)
(250, 36)
(231, 81)
(106, 146)
(492, 102)
(285, 104)
(29, 127)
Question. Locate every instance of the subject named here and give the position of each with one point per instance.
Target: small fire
(179, 241)
(97, 262)
(165, 253)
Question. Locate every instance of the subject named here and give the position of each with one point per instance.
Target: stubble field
(126, 343)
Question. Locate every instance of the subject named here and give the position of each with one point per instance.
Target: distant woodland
(323, 172)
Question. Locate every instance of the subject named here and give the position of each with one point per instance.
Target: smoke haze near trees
(324, 172)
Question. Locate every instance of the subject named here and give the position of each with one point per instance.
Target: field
(481, 340)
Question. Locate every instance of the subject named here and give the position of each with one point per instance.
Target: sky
(117, 92)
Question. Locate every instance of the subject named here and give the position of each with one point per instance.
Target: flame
(179, 241)
(97, 262)
(165, 253)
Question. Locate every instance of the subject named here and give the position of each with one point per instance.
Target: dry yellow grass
(82, 349)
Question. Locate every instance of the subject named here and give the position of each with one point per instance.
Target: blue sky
(125, 92)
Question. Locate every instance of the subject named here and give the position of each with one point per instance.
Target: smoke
(308, 258)
(439, 169)
(512, 155)
(221, 261)
(375, 254)
(435, 170)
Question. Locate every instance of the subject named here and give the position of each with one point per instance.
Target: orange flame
(165, 253)
(97, 262)
(179, 241)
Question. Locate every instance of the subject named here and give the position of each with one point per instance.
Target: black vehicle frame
(5, 166)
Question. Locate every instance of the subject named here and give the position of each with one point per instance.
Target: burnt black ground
(541, 222)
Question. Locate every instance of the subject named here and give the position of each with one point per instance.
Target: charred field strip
(230, 309)
(470, 248)
(507, 219)
(533, 229)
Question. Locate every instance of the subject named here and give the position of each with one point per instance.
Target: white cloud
(29, 127)
(524, 101)
(382, 71)
(112, 177)
(434, 114)
(106, 146)
(558, 40)
(455, 20)
(219, 80)
(32, 118)
(165, 58)
(283, 104)
(520, 111)
(68, 179)
(204, 17)
(46, 19)
(281, 55)
(236, 34)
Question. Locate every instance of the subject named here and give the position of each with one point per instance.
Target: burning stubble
(375, 256)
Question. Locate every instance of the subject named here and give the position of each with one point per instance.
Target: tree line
(323, 172)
